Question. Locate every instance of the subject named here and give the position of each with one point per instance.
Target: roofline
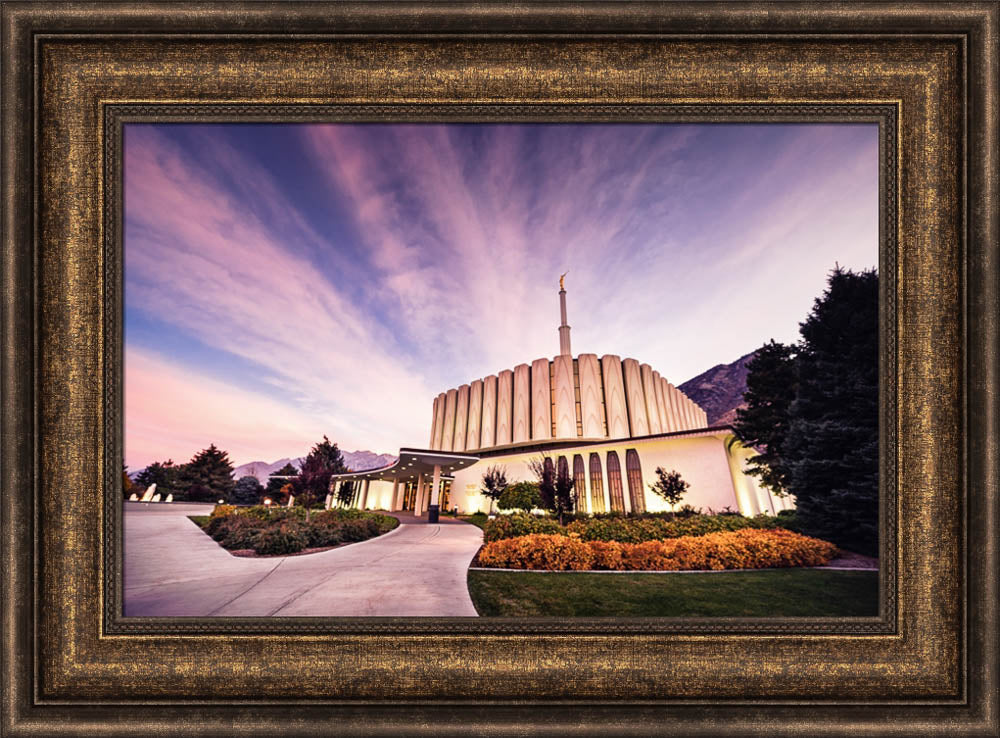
(560, 443)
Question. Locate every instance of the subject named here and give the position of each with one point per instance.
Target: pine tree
(763, 423)
(279, 479)
(831, 449)
(248, 491)
(208, 476)
(313, 481)
(164, 474)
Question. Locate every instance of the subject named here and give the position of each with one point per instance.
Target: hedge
(750, 548)
(624, 529)
(285, 531)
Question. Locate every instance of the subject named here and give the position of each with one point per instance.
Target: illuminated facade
(607, 421)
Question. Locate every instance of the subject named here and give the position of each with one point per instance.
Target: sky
(286, 281)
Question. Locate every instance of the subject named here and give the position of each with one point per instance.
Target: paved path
(172, 568)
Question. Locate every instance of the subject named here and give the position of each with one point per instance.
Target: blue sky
(286, 281)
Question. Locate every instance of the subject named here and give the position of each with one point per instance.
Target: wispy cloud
(355, 271)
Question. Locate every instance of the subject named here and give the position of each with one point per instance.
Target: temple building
(608, 421)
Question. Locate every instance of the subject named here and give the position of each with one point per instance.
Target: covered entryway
(420, 480)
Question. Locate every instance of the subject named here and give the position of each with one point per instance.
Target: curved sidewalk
(173, 569)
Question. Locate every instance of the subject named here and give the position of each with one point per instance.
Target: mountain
(355, 460)
(720, 390)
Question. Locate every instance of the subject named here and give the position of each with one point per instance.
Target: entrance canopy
(413, 463)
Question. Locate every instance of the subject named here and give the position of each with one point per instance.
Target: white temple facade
(609, 421)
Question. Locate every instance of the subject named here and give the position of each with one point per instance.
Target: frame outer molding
(26, 711)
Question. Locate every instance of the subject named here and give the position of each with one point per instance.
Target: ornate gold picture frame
(74, 74)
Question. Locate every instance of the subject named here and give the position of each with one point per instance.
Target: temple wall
(702, 460)
(589, 398)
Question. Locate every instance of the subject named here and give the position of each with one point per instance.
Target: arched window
(549, 468)
(596, 485)
(615, 483)
(636, 489)
(579, 483)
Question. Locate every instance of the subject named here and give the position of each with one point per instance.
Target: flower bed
(284, 531)
(625, 529)
(749, 548)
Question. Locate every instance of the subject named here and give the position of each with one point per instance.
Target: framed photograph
(458, 368)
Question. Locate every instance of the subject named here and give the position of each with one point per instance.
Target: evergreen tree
(831, 448)
(208, 476)
(313, 481)
(763, 423)
(279, 479)
(163, 474)
(248, 491)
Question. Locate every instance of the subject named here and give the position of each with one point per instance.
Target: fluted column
(541, 400)
(475, 415)
(522, 403)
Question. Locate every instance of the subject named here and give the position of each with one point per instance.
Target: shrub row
(289, 533)
(624, 529)
(749, 548)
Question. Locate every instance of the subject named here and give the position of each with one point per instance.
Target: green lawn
(792, 592)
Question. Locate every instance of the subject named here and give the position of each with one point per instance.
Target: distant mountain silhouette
(719, 391)
(355, 460)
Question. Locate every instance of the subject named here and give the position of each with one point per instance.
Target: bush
(520, 496)
(520, 524)
(557, 553)
(286, 531)
(749, 548)
(236, 533)
(285, 538)
(631, 529)
(221, 511)
(321, 533)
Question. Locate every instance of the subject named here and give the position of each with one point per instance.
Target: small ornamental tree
(248, 491)
(520, 496)
(284, 493)
(555, 488)
(279, 479)
(669, 486)
(494, 484)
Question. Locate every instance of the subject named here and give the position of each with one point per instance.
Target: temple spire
(563, 328)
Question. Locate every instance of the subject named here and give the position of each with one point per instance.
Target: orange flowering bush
(538, 551)
(749, 548)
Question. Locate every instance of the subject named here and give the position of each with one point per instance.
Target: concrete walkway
(173, 569)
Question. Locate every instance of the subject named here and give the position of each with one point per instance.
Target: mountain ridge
(719, 390)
